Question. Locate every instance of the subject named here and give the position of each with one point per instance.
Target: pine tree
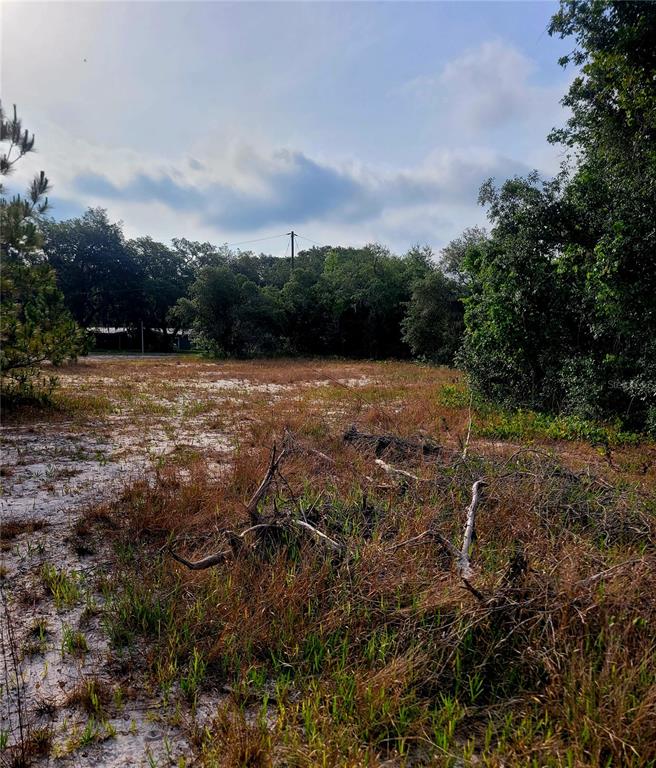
(35, 326)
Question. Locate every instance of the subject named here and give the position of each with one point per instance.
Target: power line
(314, 242)
(257, 240)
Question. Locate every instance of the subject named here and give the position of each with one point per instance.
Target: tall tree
(98, 274)
(165, 278)
(35, 326)
(562, 312)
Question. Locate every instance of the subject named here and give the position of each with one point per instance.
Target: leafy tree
(35, 324)
(433, 325)
(365, 291)
(230, 314)
(198, 255)
(165, 278)
(517, 308)
(452, 257)
(337, 301)
(99, 275)
(562, 311)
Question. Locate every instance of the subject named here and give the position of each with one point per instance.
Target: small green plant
(64, 587)
(190, 683)
(73, 642)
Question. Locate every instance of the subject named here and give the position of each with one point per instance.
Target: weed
(64, 587)
(73, 642)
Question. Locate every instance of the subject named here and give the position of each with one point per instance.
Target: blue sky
(349, 122)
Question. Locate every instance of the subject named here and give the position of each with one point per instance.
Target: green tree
(165, 278)
(230, 314)
(452, 257)
(433, 324)
(35, 324)
(562, 311)
(101, 278)
(365, 291)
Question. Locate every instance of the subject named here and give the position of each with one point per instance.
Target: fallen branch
(220, 557)
(464, 566)
(251, 507)
(609, 571)
(382, 443)
(402, 472)
(319, 534)
(436, 536)
(201, 565)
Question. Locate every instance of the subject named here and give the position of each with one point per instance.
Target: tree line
(355, 302)
(554, 308)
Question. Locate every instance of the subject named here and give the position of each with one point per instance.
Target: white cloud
(487, 88)
(247, 191)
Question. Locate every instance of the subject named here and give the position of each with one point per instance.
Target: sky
(229, 122)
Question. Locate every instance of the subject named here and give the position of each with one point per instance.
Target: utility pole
(142, 338)
(293, 235)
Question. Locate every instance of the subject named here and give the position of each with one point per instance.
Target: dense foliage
(35, 325)
(562, 313)
(343, 301)
(357, 302)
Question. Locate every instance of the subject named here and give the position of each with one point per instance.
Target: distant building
(128, 339)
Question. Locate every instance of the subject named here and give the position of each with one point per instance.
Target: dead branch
(464, 566)
(251, 509)
(431, 534)
(320, 455)
(471, 588)
(609, 571)
(382, 443)
(409, 542)
(402, 472)
(237, 538)
(319, 534)
(274, 463)
(201, 565)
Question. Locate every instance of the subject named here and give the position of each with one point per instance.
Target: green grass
(522, 425)
(64, 587)
(74, 642)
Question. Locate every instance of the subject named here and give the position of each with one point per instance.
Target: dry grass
(12, 529)
(380, 651)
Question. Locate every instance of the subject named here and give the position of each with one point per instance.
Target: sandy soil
(149, 411)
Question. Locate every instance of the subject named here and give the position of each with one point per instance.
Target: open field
(338, 626)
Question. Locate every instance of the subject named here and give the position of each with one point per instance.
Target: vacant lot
(338, 623)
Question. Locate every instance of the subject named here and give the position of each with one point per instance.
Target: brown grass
(381, 652)
(12, 529)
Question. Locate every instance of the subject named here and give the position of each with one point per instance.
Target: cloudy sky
(348, 122)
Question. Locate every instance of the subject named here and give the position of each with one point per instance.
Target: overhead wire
(256, 240)
(314, 242)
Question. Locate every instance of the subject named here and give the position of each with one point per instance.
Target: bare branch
(319, 534)
(430, 534)
(395, 471)
(463, 561)
(251, 507)
(200, 565)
